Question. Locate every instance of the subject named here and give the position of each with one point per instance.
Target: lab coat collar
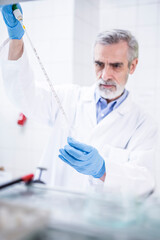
(89, 95)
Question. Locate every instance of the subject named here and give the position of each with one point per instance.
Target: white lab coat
(126, 138)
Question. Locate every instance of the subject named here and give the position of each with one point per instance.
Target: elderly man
(113, 141)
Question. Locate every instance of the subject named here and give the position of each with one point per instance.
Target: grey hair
(115, 36)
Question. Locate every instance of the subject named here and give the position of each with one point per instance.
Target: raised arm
(15, 49)
(15, 32)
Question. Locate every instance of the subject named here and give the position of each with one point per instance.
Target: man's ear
(133, 65)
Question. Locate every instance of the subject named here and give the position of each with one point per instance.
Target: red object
(27, 177)
(22, 119)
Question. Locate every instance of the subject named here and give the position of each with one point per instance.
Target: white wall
(142, 18)
(86, 27)
(50, 26)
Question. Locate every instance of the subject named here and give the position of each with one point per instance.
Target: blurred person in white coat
(113, 142)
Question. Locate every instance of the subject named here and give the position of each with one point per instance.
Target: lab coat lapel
(111, 117)
(90, 106)
(107, 122)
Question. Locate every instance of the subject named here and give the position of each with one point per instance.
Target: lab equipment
(84, 158)
(41, 169)
(26, 179)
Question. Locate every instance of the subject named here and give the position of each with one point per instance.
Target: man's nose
(106, 72)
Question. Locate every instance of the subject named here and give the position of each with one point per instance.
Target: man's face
(111, 67)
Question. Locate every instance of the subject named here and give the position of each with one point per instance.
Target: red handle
(27, 177)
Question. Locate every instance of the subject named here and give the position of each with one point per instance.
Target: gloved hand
(14, 27)
(84, 158)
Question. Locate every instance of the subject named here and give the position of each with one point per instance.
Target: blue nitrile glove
(84, 158)
(14, 27)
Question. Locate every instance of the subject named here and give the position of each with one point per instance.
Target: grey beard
(109, 93)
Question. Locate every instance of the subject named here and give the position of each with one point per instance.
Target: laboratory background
(63, 33)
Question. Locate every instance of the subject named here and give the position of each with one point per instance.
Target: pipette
(18, 15)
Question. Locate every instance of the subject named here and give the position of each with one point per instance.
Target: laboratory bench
(34, 212)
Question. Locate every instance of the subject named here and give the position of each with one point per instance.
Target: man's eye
(99, 64)
(116, 65)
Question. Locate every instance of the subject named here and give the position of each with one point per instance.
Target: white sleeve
(19, 84)
(131, 171)
(129, 177)
(134, 175)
